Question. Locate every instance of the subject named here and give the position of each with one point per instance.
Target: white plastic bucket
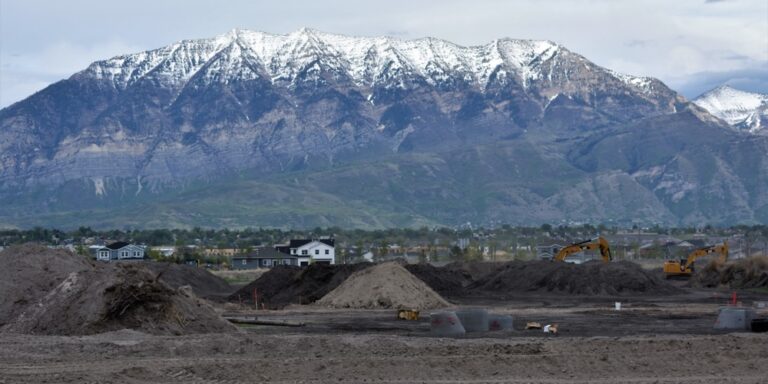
(617, 305)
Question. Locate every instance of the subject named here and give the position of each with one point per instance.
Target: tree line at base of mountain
(244, 239)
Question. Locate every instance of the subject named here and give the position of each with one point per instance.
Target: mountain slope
(744, 110)
(310, 128)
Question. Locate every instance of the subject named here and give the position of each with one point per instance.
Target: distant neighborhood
(296, 252)
(267, 248)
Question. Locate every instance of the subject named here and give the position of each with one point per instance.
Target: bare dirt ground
(653, 339)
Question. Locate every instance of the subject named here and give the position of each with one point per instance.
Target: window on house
(327, 251)
(245, 261)
(123, 253)
(304, 252)
(267, 262)
(317, 251)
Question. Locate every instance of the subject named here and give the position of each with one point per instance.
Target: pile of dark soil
(592, 278)
(745, 273)
(444, 280)
(61, 293)
(203, 283)
(284, 285)
(476, 269)
(268, 285)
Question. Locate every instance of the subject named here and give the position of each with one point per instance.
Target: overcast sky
(692, 45)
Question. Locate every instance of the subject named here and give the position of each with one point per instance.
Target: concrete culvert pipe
(474, 320)
(734, 319)
(445, 324)
(500, 323)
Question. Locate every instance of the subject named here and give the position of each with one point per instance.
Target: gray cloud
(638, 43)
(737, 57)
(750, 79)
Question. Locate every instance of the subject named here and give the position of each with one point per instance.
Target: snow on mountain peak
(726, 97)
(741, 109)
(364, 60)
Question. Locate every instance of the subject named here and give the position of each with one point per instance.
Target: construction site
(65, 318)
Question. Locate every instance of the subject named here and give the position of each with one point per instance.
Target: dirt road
(132, 357)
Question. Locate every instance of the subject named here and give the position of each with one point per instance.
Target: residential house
(310, 250)
(548, 252)
(263, 257)
(119, 251)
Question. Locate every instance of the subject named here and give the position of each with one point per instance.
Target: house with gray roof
(119, 251)
(263, 257)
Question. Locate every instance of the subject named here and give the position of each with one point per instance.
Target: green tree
(422, 255)
(456, 253)
(82, 251)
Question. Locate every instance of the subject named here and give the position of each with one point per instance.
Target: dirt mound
(592, 278)
(745, 273)
(29, 272)
(203, 283)
(387, 285)
(85, 298)
(445, 280)
(284, 285)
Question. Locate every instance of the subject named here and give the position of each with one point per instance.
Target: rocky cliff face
(250, 128)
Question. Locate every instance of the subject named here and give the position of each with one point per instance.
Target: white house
(310, 251)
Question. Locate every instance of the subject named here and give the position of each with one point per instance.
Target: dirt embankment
(203, 283)
(285, 285)
(476, 269)
(592, 278)
(445, 280)
(61, 293)
(745, 273)
(387, 285)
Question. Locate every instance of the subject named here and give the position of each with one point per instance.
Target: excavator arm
(722, 249)
(586, 245)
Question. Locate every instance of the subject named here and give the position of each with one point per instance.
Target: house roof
(298, 243)
(117, 245)
(265, 253)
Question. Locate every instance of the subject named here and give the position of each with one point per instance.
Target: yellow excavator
(586, 245)
(684, 267)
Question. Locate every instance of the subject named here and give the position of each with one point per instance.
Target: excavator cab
(586, 245)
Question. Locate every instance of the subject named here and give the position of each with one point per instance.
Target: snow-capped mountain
(366, 62)
(312, 128)
(743, 110)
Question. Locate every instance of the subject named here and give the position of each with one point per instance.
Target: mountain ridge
(382, 120)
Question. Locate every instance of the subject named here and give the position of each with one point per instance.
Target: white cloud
(23, 74)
